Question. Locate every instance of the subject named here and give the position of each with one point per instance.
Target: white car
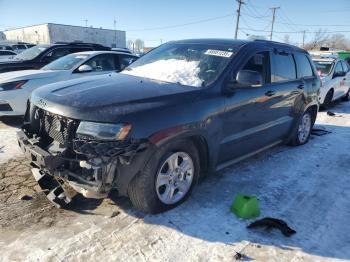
(335, 79)
(6, 54)
(15, 87)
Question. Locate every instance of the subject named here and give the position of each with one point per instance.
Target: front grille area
(58, 128)
(5, 107)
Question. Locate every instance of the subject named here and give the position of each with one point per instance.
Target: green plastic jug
(245, 206)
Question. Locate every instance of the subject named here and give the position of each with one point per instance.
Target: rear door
(338, 81)
(287, 90)
(346, 78)
(307, 74)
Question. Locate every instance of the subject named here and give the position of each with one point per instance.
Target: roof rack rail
(78, 43)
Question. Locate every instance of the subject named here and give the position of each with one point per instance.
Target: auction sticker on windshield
(218, 53)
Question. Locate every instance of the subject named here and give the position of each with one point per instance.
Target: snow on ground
(307, 186)
(8, 143)
(170, 70)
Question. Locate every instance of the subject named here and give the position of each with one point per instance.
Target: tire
(347, 96)
(328, 99)
(150, 189)
(302, 131)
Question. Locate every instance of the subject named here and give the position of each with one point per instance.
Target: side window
(259, 63)
(303, 65)
(338, 68)
(125, 61)
(19, 47)
(55, 54)
(103, 62)
(283, 67)
(345, 66)
(79, 49)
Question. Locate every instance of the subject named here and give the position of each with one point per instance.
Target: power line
(294, 32)
(181, 25)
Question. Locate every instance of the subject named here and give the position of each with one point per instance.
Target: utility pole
(304, 37)
(273, 19)
(86, 21)
(115, 32)
(240, 2)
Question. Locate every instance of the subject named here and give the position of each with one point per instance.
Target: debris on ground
(245, 206)
(25, 197)
(320, 132)
(269, 222)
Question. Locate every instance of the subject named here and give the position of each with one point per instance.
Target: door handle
(270, 93)
(301, 86)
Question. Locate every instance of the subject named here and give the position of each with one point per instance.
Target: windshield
(190, 64)
(31, 52)
(323, 67)
(67, 62)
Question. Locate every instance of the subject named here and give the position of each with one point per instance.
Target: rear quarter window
(304, 68)
(283, 67)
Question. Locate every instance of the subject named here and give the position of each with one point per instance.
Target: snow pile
(170, 70)
(8, 145)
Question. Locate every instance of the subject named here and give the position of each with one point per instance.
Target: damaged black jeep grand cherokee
(184, 109)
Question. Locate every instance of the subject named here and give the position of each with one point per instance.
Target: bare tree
(338, 41)
(139, 45)
(286, 39)
(319, 39)
(130, 44)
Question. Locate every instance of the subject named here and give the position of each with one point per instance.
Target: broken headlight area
(90, 167)
(123, 150)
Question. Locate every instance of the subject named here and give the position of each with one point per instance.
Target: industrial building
(51, 33)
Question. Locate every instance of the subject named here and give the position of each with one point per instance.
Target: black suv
(184, 109)
(40, 55)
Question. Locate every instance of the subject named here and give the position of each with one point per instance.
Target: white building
(51, 33)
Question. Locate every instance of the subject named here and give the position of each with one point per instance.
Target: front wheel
(167, 179)
(302, 132)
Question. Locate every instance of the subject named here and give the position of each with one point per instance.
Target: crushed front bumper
(96, 167)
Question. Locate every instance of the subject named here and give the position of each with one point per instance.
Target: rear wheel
(303, 130)
(167, 179)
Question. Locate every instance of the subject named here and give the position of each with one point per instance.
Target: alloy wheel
(304, 128)
(174, 178)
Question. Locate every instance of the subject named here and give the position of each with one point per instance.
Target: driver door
(248, 114)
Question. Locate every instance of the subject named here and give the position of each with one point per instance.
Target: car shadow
(13, 121)
(294, 196)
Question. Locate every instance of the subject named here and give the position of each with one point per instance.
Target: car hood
(105, 98)
(27, 75)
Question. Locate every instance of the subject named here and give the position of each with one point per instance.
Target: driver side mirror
(85, 69)
(249, 78)
(245, 79)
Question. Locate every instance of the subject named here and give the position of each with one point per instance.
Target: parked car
(15, 87)
(17, 47)
(335, 78)
(5, 54)
(182, 110)
(41, 55)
